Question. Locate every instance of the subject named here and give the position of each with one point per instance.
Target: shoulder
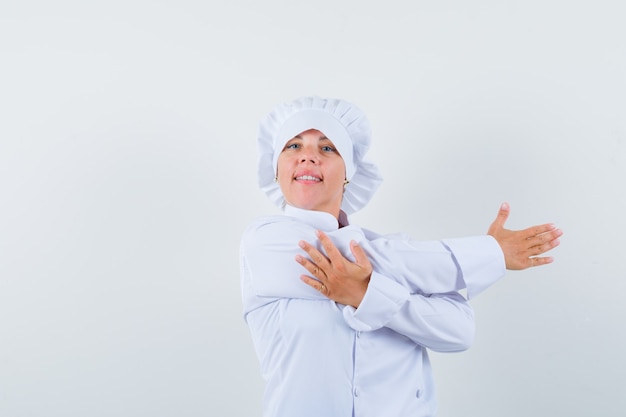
(274, 222)
(263, 221)
(371, 235)
(273, 229)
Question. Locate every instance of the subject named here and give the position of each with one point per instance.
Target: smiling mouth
(307, 178)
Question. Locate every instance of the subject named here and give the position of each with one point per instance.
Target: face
(311, 173)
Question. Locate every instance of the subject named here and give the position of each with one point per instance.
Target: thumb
(503, 215)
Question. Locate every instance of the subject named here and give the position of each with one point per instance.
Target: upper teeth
(307, 177)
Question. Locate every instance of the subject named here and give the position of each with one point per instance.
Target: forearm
(441, 322)
(438, 267)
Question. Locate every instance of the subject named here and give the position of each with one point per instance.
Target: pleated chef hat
(341, 122)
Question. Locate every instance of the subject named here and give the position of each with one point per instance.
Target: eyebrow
(321, 138)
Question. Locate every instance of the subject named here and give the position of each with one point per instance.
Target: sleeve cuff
(481, 261)
(383, 299)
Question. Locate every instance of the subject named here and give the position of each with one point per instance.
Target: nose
(308, 159)
(309, 156)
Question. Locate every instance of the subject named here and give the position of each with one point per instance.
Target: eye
(328, 149)
(292, 146)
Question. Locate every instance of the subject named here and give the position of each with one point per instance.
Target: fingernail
(302, 244)
(299, 258)
(318, 233)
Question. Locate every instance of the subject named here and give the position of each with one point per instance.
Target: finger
(316, 256)
(539, 230)
(503, 215)
(539, 260)
(359, 255)
(315, 270)
(545, 237)
(332, 252)
(539, 249)
(315, 284)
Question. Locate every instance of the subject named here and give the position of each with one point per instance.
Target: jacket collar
(317, 219)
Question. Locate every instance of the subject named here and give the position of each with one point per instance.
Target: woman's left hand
(523, 248)
(334, 275)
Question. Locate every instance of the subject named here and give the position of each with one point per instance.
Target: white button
(356, 391)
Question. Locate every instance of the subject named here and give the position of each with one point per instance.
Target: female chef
(341, 317)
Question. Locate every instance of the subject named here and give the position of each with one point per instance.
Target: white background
(128, 172)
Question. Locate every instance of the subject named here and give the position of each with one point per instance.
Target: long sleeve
(440, 322)
(473, 263)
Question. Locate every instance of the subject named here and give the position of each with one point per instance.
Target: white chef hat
(341, 122)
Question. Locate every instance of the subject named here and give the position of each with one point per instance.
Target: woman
(341, 317)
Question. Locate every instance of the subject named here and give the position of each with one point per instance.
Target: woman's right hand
(334, 275)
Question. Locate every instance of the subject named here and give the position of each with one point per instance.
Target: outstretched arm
(346, 282)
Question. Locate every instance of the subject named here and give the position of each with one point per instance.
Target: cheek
(283, 172)
(339, 176)
(281, 165)
(340, 172)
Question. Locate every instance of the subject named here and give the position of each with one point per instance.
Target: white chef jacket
(320, 358)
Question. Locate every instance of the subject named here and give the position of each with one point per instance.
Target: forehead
(313, 134)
